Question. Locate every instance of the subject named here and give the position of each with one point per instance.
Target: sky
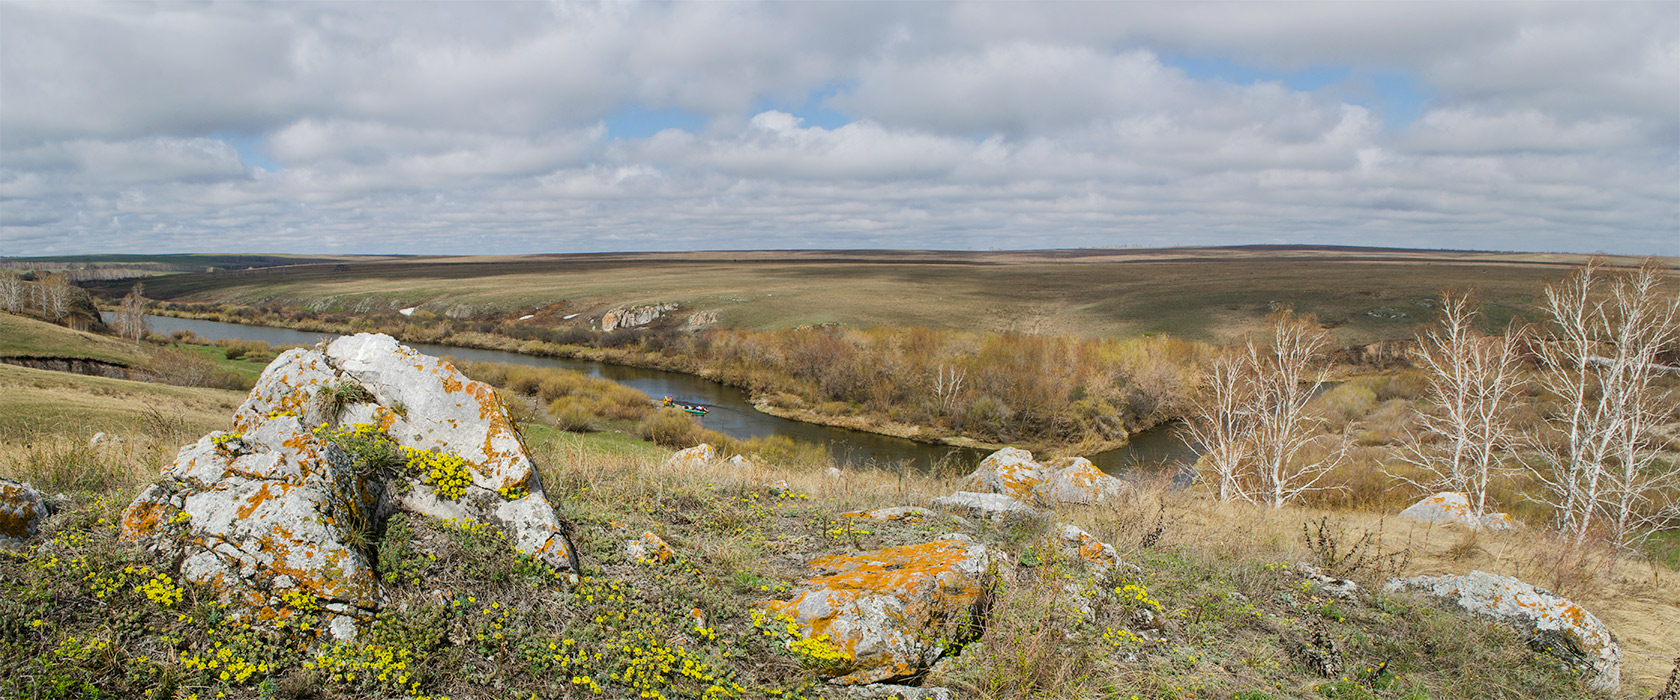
(555, 127)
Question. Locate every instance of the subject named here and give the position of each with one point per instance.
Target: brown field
(1201, 293)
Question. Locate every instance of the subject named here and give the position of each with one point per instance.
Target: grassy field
(1202, 293)
(39, 402)
(21, 336)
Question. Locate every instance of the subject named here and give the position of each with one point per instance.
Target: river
(1149, 452)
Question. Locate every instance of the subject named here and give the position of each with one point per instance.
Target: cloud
(456, 128)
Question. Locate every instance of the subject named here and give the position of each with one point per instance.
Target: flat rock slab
(1552, 623)
(887, 609)
(985, 505)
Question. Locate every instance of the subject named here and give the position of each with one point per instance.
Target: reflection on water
(731, 414)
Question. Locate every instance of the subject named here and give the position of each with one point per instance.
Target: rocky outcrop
(21, 513)
(1552, 623)
(633, 316)
(889, 613)
(1013, 472)
(1452, 507)
(332, 440)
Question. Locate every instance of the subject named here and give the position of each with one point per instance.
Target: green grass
(247, 368)
(614, 444)
(26, 337)
(36, 403)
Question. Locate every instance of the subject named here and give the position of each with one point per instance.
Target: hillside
(1209, 603)
(21, 336)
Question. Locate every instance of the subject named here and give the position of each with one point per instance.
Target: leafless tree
(56, 294)
(946, 385)
(1475, 381)
(1288, 373)
(1221, 427)
(13, 291)
(131, 314)
(1601, 363)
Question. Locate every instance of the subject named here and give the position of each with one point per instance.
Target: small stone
(650, 549)
(21, 513)
(697, 456)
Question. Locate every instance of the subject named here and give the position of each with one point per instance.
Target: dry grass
(39, 402)
(1200, 293)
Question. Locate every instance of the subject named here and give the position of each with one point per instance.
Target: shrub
(572, 415)
(669, 427)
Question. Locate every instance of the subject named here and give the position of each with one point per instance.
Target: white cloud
(483, 128)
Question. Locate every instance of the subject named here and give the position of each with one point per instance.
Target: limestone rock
(1076, 480)
(650, 549)
(697, 456)
(1010, 471)
(887, 609)
(901, 692)
(1454, 508)
(21, 513)
(1098, 557)
(907, 514)
(256, 517)
(1552, 623)
(1013, 472)
(1338, 587)
(279, 508)
(630, 317)
(985, 505)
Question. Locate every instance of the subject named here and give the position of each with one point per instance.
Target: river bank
(733, 412)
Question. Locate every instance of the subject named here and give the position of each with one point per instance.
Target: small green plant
(340, 395)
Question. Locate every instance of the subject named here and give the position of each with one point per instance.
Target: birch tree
(1600, 363)
(1475, 381)
(1221, 427)
(131, 314)
(13, 291)
(1288, 373)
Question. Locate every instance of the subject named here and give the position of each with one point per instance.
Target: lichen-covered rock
(21, 513)
(985, 505)
(1098, 557)
(256, 517)
(1552, 623)
(650, 549)
(1076, 480)
(280, 508)
(1338, 587)
(697, 456)
(1010, 471)
(1013, 472)
(1454, 508)
(888, 610)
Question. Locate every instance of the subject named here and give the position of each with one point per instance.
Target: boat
(691, 410)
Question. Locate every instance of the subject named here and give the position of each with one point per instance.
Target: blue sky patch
(1397, 98)
(637, 122)
(250, 148)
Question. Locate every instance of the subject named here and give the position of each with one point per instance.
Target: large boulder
(1552, 623)
(1076, 480)
(630, 317)
(1452, 507)
(281, 508)
(889, 612)
(21, 513)
(1012, 472)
